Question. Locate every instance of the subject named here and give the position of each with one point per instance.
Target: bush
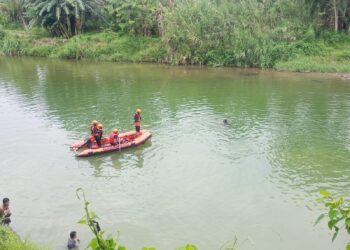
(12, 46)
(71, 49)
(39, 50)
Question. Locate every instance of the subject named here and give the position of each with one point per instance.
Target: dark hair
(73, 234)
(5, 200)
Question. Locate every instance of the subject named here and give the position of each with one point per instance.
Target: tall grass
(10, 241)
(233, 32)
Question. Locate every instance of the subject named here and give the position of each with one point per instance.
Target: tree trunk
(78, 23)
(336, 15)
(20, 16)
(69, 28)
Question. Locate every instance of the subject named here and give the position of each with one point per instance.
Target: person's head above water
(73, 235)
(6, 202)
(225, 121)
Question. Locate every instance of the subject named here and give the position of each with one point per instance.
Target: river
(197, 180)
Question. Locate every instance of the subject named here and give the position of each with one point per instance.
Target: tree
(139, 17)
(63, 17)
(335, 14)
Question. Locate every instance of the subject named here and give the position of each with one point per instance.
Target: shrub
(12, 46)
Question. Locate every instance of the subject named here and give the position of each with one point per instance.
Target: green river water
(197, 180)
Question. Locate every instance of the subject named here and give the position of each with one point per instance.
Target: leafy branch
(338, 213)
(90, 219)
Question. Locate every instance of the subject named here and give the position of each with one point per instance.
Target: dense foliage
(258, 33)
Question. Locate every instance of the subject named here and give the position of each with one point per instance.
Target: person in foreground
(137, 120)
(114, 137)
(73, 241)
(5, 212)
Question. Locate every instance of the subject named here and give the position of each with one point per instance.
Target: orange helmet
(115, 131)
(138, 110)
(100, 126)
(94, 122)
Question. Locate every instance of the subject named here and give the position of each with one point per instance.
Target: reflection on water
(198, 180)
(108, 165)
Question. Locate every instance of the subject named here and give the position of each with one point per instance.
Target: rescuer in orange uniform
(114, 137)
(93, 127)
(99, 134)
(137, 120)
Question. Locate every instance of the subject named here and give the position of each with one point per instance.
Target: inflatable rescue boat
(127, 140)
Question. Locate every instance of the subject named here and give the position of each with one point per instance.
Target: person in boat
(88, 142)
(137, 120)
(99, 134)
(114, 137)
(93, 127)
(94, 132)
(5, 212)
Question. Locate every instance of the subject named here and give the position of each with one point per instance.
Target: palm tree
(63, 17)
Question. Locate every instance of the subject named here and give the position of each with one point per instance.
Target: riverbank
(104, 46)
(10, 241)
(321, 55)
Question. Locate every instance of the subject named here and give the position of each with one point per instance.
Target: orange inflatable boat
(127, 140)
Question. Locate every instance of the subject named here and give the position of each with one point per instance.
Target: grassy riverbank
(105, 46)
(334, 58)
(318, 55)
(10, 241)
(293, 35)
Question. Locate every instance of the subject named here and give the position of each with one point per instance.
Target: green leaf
(333, 214)
(187, 247)
(93, 243)
(121, 248)
(347, 222)
(331, 224)
(325, 192)
(319, 218)
(335, 234)
(191, 247)
(82, 221)
(348, 246)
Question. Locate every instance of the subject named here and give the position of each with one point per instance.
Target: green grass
(10, 241)
(336, 59)
(105, 46)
